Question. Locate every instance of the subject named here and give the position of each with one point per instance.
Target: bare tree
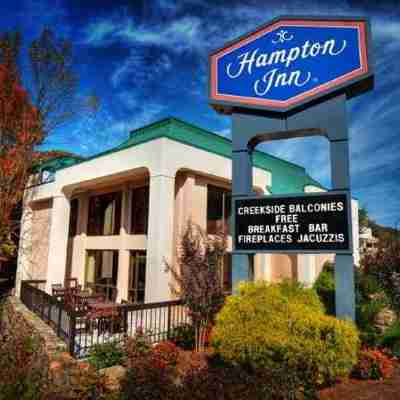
(55, 83)
(27, 117)
(197, 273)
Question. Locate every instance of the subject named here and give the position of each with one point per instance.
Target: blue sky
(148, 59)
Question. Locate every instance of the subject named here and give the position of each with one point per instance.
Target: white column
(123, 275)
(262, 267)
(58, 241)
(263, 261)
(306, 269)
(356, 232)
(160, 237)
(79, 249)
(123, 257)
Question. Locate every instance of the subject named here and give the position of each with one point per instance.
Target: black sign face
(317, 223)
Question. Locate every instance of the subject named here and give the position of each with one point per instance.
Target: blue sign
(289, 62)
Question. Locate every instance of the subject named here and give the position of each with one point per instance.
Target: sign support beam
(340, 177)
(244, 126)
(326, 119)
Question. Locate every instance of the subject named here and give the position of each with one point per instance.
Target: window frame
(93, 229)
(134, 273)
(133, 224)
(107, 288)
(73, 217)
(226, 211)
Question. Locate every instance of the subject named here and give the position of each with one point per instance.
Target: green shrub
(391, 338)
(384, 266)
(370, 300)
(105, 355)
(135, 348)
(183, 336)
(271, 327)
(325, 287)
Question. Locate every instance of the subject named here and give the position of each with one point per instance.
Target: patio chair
(56, 286)
(73, 285)
(69, 300)
(57, 290)
(105, 322)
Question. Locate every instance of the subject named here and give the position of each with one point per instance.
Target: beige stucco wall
(283, 266)
(34, 240)
(41, 222)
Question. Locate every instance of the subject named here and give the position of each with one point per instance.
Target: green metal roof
(286, 177)
(56, 163)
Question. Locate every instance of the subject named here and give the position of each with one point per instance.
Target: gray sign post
(327, 119)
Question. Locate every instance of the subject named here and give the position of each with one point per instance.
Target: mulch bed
(353, 389)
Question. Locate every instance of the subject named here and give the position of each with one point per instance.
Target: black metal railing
(48, 308)
(82, 330)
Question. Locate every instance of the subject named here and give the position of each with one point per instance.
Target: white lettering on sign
(262, 210)
(316, 207)
(276, 79)
(321, 238)
(265, 239)
(282, 58)
(332, 206)
(292, 228)
(318, 227)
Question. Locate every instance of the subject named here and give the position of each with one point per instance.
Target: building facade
(368, 242)
(113, 220)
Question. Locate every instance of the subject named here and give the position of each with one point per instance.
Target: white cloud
(97, 32)
(139, 68)
(133, 63)
(129, 98)
(179, 35)
(385, 29)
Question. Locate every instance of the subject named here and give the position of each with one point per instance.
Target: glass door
(102, 272)
(137, 277)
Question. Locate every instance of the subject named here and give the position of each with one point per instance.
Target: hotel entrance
(102, 272)
(137, 277)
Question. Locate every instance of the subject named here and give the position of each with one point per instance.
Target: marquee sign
(313, 222)
(290, 62)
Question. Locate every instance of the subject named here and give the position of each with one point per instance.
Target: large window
(140, 210)
(137, 277)
(105, 214)
(224, 268)
(102, 272)
(73, 219)
(218, 209)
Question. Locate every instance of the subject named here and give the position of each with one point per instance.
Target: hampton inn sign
(288, 79)
(288, 62)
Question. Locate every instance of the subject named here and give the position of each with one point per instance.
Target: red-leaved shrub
(373, 364)
(166, 352)
(150, 370)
